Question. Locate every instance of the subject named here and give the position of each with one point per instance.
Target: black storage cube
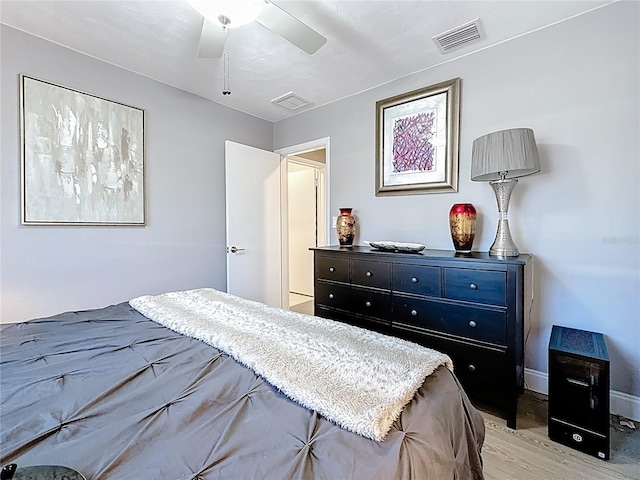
(579, 390)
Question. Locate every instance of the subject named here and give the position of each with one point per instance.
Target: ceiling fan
(220, 15)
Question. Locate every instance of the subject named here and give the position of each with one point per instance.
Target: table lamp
(498, 158)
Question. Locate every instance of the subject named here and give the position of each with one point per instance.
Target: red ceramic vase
(346, 227)
(462, 220)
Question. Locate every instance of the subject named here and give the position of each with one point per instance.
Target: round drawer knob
(414, 279)
(414, 312)
(367, 304)
(472, 324)
(331, 295)
(472, 367)
(331, 269)
(368, 274)
(473, 286)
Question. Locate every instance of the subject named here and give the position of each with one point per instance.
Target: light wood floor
(528, 454)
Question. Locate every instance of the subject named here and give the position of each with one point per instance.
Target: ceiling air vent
(291, 101)
(458, 37)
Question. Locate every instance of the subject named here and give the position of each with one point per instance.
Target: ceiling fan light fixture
(230, 13)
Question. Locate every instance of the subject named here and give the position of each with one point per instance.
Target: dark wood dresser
(468, 306)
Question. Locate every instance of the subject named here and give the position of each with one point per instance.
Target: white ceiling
(369, 42)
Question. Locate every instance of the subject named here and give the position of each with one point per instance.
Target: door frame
(284, 202)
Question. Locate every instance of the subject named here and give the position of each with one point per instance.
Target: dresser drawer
(480, 286)
(483, 373)
(421, 280)
(329, 268)
(470, 322)
(354, 300)
(332, 295)
(371, 274)
(370, 303)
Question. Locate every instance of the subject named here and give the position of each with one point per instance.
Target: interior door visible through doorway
(306, 224)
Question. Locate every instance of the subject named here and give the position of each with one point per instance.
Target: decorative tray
(397, 246)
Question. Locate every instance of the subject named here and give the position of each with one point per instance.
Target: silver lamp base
(503, 245)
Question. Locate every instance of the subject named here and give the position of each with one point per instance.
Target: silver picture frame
(417, 138)
(83, 157)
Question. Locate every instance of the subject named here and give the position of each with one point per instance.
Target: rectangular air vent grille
(458, 37)
(291, 101)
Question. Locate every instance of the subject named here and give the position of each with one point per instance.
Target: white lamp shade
(512, 152)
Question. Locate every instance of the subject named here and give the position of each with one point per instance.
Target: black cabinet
(467, 306)
(579, 390)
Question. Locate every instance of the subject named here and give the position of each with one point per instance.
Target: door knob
(235, 249)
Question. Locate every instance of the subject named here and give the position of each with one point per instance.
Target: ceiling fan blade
(212, 40)
(290, 28)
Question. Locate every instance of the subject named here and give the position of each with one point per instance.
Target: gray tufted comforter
(114, 395)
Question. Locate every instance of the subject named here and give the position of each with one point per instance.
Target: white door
(254, 233)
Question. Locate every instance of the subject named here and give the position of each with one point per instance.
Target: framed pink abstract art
(417, 141)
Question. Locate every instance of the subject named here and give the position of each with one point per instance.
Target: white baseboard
(536, 381)
(626, 405)
(621, 403)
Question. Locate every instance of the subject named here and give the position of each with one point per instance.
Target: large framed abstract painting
(417, 136)
(82, 158)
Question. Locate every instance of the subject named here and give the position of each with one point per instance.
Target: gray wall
(47, 270)
(577, 85)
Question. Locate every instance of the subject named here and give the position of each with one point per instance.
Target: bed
(113, 394)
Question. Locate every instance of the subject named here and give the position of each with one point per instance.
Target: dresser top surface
(427, 254)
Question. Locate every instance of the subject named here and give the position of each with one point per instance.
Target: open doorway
(306, 223)
(305, 226)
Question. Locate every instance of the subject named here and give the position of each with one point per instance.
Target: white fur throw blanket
(359, 379)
